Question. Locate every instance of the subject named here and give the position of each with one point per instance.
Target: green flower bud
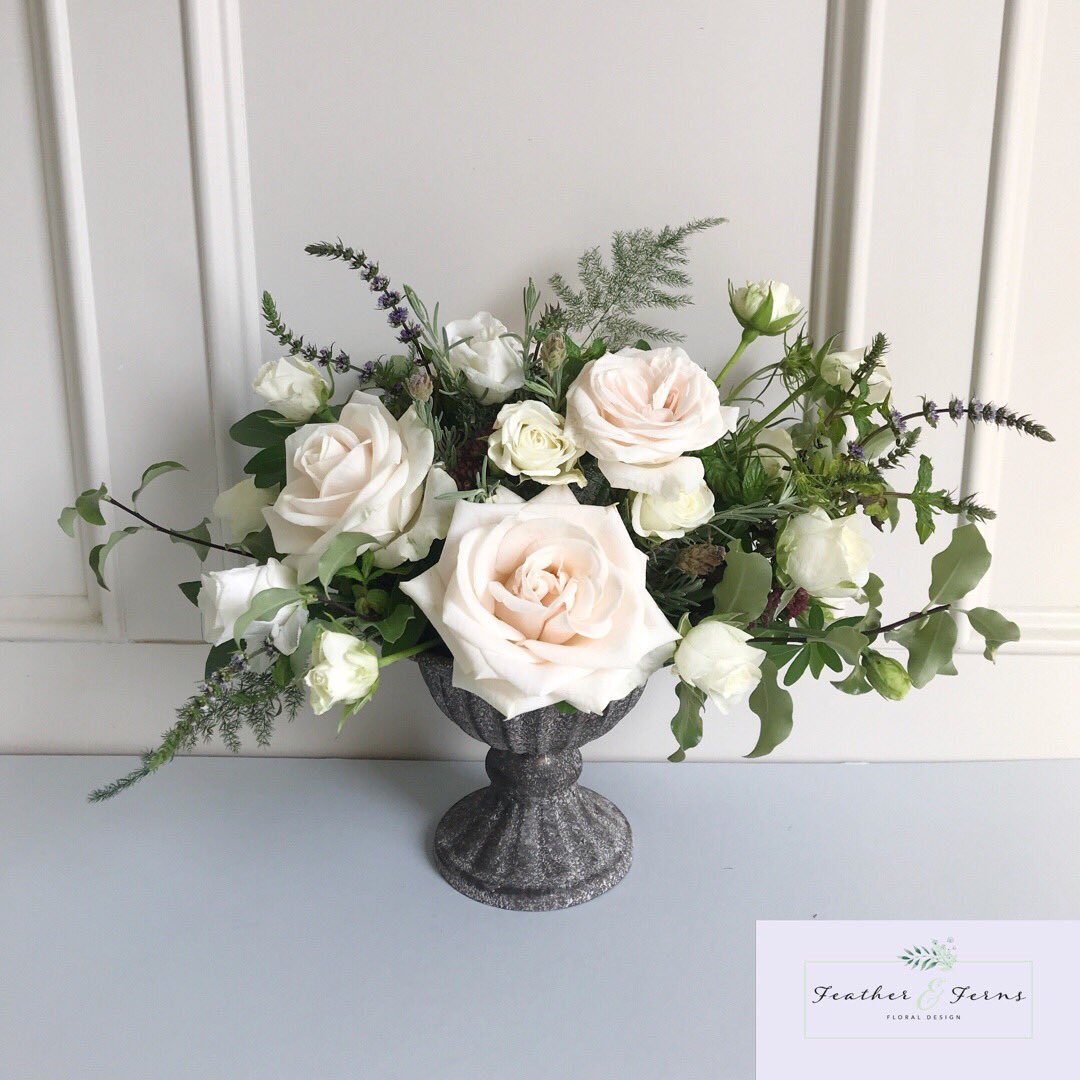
(553, 353)
(887, 676)
(764, 307)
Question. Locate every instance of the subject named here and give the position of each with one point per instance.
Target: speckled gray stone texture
(534, 840)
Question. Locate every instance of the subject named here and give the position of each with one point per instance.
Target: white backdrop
(909, 167)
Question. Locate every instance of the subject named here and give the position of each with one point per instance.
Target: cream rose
(826, 557)
(366, 473)
(529, 440)
(667, 519)
(239, 509)
(343, 669)
(227, 594)
(715, 657)
(543, 601)
(491, 362)
(839, 369)
(774, 450)
(292, 387)
(637, 412)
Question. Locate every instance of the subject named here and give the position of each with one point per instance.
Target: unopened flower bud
(553, 353)
(764, 307)
(887, 676)
(420, 386)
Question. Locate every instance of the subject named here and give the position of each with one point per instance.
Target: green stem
(393, 658)
(175, 534)
(748, 336)
(873, 635)
(790, 399)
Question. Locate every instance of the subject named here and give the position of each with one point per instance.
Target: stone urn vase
(534, 839)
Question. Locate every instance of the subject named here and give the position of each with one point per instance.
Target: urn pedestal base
(534, 840)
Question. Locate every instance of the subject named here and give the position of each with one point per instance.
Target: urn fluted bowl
(534, 839)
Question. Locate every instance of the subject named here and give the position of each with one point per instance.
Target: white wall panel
(469, 145)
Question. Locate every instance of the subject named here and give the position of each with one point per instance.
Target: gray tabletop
(282, 918)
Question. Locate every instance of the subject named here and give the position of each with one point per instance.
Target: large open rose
(543, 601)
(637, 412)
(367, 473)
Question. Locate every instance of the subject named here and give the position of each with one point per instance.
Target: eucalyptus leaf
(955, 571)
(798, 666)
(88, 507)
(745, 586)
(264, 606)
(686, 723)
(301, 655)
(930, 648)
(68, 516)
(773, 707)
(261, 428)
(856, 682)
(197, 538)
(341, 552)
(393, 626)
(847, 642)
(994, 629)
(100, 552)
(152, 472)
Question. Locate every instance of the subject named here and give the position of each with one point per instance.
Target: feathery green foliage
(646, 272)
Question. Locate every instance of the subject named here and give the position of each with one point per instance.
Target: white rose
(343, 669)
(292, 387)
(366, 473)
(754, 311)
(529, 440)
(768, 442)
(839, 368)
(227, 594)
(826, 557)
(637, 412)
(543, 601)
(239, 509)
(491, 363)
(715, 657)
(667, 519)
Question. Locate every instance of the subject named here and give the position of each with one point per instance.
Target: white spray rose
(768, 442)
(343, 669)
(529, 439)
(766, 307)
(292, 387)
(239, 509)
(839, 368)
(491, 363)
(826, 557)
(715, 657)
(667, 519)
(543, 601)
(367, 473)
(227, 594)
(640, 412)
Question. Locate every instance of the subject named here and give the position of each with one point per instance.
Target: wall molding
(1023, 36)
(851, 92)
(223, 212)
(97, 613)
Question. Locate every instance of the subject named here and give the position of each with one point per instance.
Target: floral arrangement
(566, 508)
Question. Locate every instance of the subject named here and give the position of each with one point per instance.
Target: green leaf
(847, 642)
(686, 723)
(955, 571)
(152, 472)
(87, 505)
(926, 474)
(218, 657)
(798, 666)
(566, 708)
(341, 552)
(191, 590)
(930, 647)
(924, 518)
(301, 656)
(261, 428)
(197, 538)
(268, 466)
(264, 606)
(993, 627)
(68, 516)
(100, 552)
(745, 585)
(393, 626)
(772, 706)
(856, 682)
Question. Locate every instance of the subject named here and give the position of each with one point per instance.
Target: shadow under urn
(534, 839)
